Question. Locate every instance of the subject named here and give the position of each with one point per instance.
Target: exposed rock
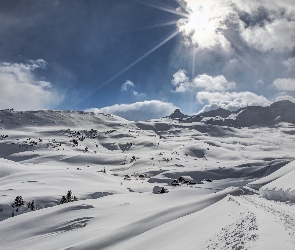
(177, 115)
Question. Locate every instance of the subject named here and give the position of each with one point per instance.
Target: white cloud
(137, 94)
(180, 77)
(39, 63)
(204, 81)
(286, 97)
(139, 110)
(278, 35)
(209, 83)
(285, 84)
(127, 85)
(130, 86)
(269, 25)
(230, 100)
(285, 7)
(22, 91)
(44, 84)
(289, 64)
(264, 25)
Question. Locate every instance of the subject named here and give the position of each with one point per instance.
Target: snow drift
(275, 175)
(282, 189)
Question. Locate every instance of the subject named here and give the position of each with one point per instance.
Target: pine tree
(18, 202)
(69, 196)
(31, 206)
(63, 200)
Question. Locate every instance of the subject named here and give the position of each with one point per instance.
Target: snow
(44, 154)
(282, 111)
(282, 189)
(273, 176)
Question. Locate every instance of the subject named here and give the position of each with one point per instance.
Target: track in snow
(279, 212)
(259, 224)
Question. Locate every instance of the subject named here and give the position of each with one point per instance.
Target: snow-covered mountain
(218, 180)
(282, 111)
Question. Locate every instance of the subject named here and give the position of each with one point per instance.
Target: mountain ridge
(281, 111)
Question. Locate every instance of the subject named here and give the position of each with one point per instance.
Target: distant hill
(15, 119)
(177, 115)
(282, 111)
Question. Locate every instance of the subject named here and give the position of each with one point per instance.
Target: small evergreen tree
(63, 200)
(69, 196)
(31, 205)
(18, 202)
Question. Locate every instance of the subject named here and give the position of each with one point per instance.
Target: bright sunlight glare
(205, 25)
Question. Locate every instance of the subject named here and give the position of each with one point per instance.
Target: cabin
(181, 179)
(175, 183)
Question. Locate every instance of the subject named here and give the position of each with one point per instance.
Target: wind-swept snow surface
(167, 183)
(282, 189)
(273, 176)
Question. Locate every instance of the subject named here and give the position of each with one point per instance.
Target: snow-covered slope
(282, 111)
(273, 176)
(15, 119)
(117, 169)
(282, 189)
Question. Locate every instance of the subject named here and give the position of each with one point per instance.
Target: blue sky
(142, 59)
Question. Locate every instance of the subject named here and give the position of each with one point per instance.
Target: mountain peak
(177, 114)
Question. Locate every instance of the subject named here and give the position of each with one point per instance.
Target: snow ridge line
(278, 211)
(238, 235)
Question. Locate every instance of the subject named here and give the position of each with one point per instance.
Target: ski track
(248, 229)
(241, 234)
(279, 212)
(238, 235)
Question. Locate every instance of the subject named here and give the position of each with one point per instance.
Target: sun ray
(192, 95)
(130, 66)
(164, 24)
(194, 62)
(248, 65)
(253, 69)
(165, 9)
(157, 25)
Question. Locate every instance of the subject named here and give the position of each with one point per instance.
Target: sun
(204, 25)
(199, 19)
